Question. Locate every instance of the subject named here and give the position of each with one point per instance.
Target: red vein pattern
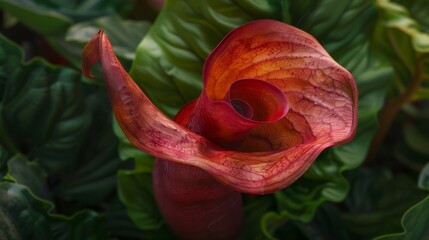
(321, 99)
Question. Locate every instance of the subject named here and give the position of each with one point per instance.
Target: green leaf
(92, 176)
(323, 181)
(254, 208)
(46, 114)
(28, 174)
(124, 35)
(169, 60)
(36, 16)
(4, 156)
(119, 224)
(404, 39)
(416, 139)
(271, 221)
(377, 201)
(414, 222)
(423, 182)
(24, 216)
(43, 109)
(326, 225)
(408, 18)
(135, 191)
(48, 17)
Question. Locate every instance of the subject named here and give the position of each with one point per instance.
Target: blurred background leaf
(414, 222)
(57, 136)
(25, 216)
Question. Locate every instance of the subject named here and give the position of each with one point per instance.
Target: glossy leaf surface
(53, 101)
(67, 130)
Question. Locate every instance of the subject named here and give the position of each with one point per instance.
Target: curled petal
(321, 98)
(247, 104)
(318, 89)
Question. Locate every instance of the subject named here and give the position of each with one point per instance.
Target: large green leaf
(28, 174)
(92, 176)
(49, 118)
(24, 216)
(415, 223)
(135, 191)
(42, 109)
(377, 201)
(119, 223)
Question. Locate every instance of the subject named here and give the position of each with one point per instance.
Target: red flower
(273, 100)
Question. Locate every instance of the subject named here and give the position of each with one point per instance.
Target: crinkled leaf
(377, 201)
(46, 114)
(43, 109)
(304, 197)
(24, 216)
(29, 174)
(327, 224)
(92, 176)
(169, 60)
(414, 223)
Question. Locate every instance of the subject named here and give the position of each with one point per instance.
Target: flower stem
(391, 109)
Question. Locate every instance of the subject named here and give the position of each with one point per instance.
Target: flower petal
(247, 104)
(322, 99)
(318, 89)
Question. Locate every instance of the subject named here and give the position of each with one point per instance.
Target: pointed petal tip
(91, 53)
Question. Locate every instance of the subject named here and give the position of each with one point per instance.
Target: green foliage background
(68, 172)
